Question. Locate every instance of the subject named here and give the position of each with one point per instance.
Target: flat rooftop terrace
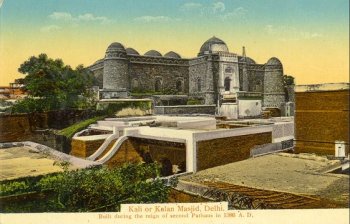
(300, 174)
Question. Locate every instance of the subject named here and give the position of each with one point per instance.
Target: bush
(71, 130)
(13, 188)
(110, 109)
(93, 189)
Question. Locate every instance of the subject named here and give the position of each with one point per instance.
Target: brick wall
(321, 118)
(128, 152)
(14, 128)
(134, 150)
(216, 152)
(85, 149)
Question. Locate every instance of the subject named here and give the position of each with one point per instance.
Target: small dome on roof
(131, 51)
(172, 54)
(116, 47)
(274, 61)
(247, 59)
(214, 44)
(153, 53)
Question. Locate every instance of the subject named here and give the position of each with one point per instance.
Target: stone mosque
(214, 76)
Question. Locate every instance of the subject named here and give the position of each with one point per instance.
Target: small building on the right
(322, 119)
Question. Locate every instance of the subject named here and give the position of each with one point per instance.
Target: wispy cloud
(87, 17)
(213, 9)
(239, 12)
(157, 19)
(61, 16)
(191, 6)
(284, 33)
(91, 17)
(1, 1)
(49, 28)
(218, 7)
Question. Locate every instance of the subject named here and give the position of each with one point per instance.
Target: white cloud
(239, 12)
(61, 16)
(49, 28)
(284, 33)
(150, 19)
(191, 6)
(91, 17)
(218, 7)
(87, 17)
(1, 1)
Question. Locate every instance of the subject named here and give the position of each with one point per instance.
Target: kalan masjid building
(215, 77)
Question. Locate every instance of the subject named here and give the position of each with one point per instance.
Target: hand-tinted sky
(310, 37)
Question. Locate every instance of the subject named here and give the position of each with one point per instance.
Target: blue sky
(78, 31)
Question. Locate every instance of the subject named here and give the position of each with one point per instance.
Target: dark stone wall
(143, 77)
(213, 84)
(115, 74)
(274, 93)
(321, 118)
(185, 109)
(197, 75)
(255, 80)
(141, 74)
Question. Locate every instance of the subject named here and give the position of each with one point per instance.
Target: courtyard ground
(23, 161)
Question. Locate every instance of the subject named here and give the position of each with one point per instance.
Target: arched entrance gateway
(179, 87)
(158, 86)
(227, 84)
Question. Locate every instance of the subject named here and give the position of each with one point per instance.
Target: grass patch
(194, 102)
(71, 130)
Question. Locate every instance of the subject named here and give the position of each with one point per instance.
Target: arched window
(135, 83)
(158, 85)
(179, 85)
(227, 83)
(199, 86)
(258, 86)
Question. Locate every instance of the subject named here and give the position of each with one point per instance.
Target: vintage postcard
(177, 111)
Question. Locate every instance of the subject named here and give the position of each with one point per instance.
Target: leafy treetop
(57, 85)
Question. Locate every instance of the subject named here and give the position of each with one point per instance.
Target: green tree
(54, 85)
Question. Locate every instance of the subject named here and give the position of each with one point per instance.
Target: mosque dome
(116, 47)
(153, 53)
(214, 44)
(274, 62)
(131, 51)
(248, 60)
(172, 54)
